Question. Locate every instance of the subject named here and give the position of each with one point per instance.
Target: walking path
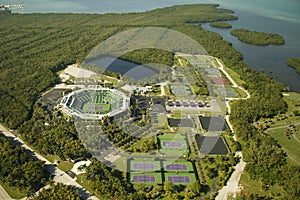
(232, 185)
(59, 175)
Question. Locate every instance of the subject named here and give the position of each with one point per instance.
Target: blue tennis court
(138, 166)
(172, 144)
(176, 167)
(179, 179)
(140, 178)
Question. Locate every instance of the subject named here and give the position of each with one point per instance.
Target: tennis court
(178, 166)
(144, 165)
(180, 89)
(96, 108)
(149, 178)
(228, 92)
(173, 144)
(180, 178)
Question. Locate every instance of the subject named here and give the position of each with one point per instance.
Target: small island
(257, 38)
(294, 63)
(220, 25)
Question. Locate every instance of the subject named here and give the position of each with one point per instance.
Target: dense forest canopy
(35, 46)
(257, 38)
(18, 169)
(294, 63)
(220, 25)
(59, 192)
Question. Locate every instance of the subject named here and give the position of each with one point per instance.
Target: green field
(281, 130)
(13, 192)
(290, 144)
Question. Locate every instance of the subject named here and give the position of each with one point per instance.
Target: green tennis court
(96, 108)
(173, 145)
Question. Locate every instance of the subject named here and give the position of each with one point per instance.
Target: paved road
(280, 127)
(59, 175)
(233, 183)
(3, 194)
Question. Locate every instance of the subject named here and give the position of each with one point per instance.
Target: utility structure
(8, 7)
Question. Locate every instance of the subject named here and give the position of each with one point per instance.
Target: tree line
(52, 135)
(18, 169)
(294, 63)
(257, 38)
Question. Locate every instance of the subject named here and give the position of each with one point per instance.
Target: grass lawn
(114, 81)
(280, 124)
(81, 179)
(62, 164)
(161, 121)
(196, 89)
(51, 158)
(182, 62)
(290, 146)
(14, 192)
(251, 186)
(292, 99)
(65, 165)
(121, 163)
(241, 93)
(230, 142)
(167, 90)
(236, 77)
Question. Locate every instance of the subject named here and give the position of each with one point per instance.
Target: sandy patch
(74, 71)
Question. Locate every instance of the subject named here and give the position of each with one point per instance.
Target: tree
(59, 191)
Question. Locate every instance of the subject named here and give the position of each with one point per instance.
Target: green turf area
(81, 180)
(65, 165)
(157, 175)
(13, 192)
(191, 175)
(62, 164)
(236, 77)
(173, 150)
(251, 186)
(285, 127)
(290, 144)
(96, 108)
(156, 165)
(167, 90)
(113, 80)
